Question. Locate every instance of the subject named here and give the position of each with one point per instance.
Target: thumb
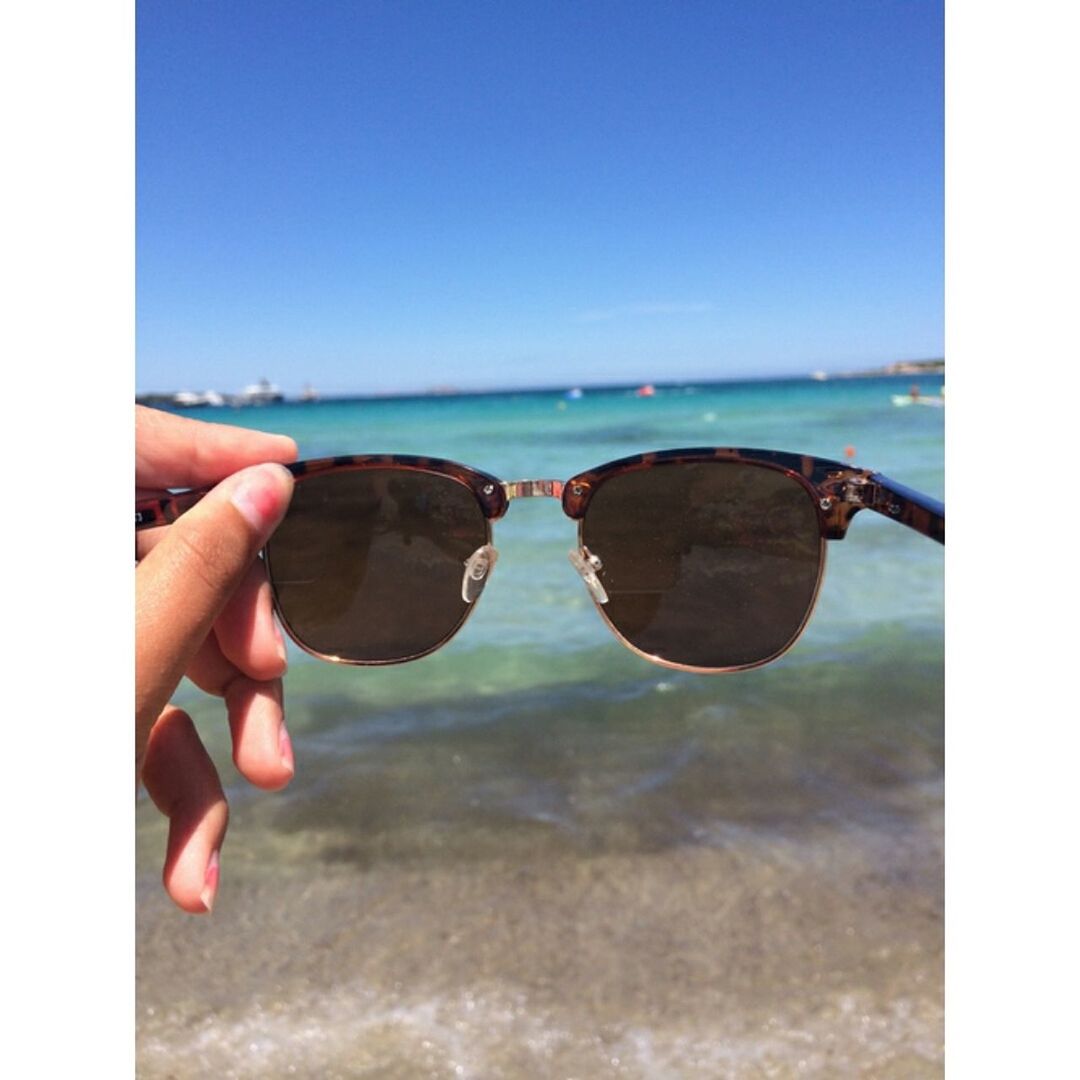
(184, 582)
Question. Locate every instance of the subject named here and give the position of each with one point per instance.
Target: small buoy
(849, 452)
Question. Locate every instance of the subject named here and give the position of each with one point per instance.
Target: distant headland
(934, 366)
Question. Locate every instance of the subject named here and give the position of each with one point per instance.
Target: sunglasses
(706, 560)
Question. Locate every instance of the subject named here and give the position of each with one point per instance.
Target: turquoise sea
(536, 854)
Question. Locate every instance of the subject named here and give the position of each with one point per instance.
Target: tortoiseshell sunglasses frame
(839, 491)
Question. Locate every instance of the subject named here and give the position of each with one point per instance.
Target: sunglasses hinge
(859, 491)
(864, 492)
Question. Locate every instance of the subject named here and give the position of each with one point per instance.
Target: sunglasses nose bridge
(530, 489)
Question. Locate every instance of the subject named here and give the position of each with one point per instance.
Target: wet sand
(818, 952)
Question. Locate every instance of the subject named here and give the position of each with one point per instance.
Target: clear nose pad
(586, 564)
(477, 568)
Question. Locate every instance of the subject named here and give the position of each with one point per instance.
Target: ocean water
(536, 854)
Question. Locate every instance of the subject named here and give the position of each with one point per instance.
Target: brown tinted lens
(713, 564)
(368, 563)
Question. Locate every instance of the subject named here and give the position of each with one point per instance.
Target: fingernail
(285, 746)
(210, 882)
(259, 495)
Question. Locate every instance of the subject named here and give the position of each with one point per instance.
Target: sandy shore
(753, 953)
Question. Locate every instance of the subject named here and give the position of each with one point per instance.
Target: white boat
(903, 400)
(263, 392)
(189, 399)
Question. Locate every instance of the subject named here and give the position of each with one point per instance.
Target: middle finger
(261, 747)
(246, 631)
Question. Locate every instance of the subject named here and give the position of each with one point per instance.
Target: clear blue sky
(392, 196)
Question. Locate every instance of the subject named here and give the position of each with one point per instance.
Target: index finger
(174, 451)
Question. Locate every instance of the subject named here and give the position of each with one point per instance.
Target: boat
(263, 392)
(309, 393)
(648, 390)
(190, 399)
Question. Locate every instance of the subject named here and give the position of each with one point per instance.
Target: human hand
(203, 608)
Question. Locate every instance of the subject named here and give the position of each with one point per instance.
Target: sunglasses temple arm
(149, 513)
(911, 508)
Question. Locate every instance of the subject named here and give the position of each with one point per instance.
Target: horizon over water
(159, 398)
(536, 854)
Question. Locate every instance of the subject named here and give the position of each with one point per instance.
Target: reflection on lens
(710, 564)
(368, 563)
